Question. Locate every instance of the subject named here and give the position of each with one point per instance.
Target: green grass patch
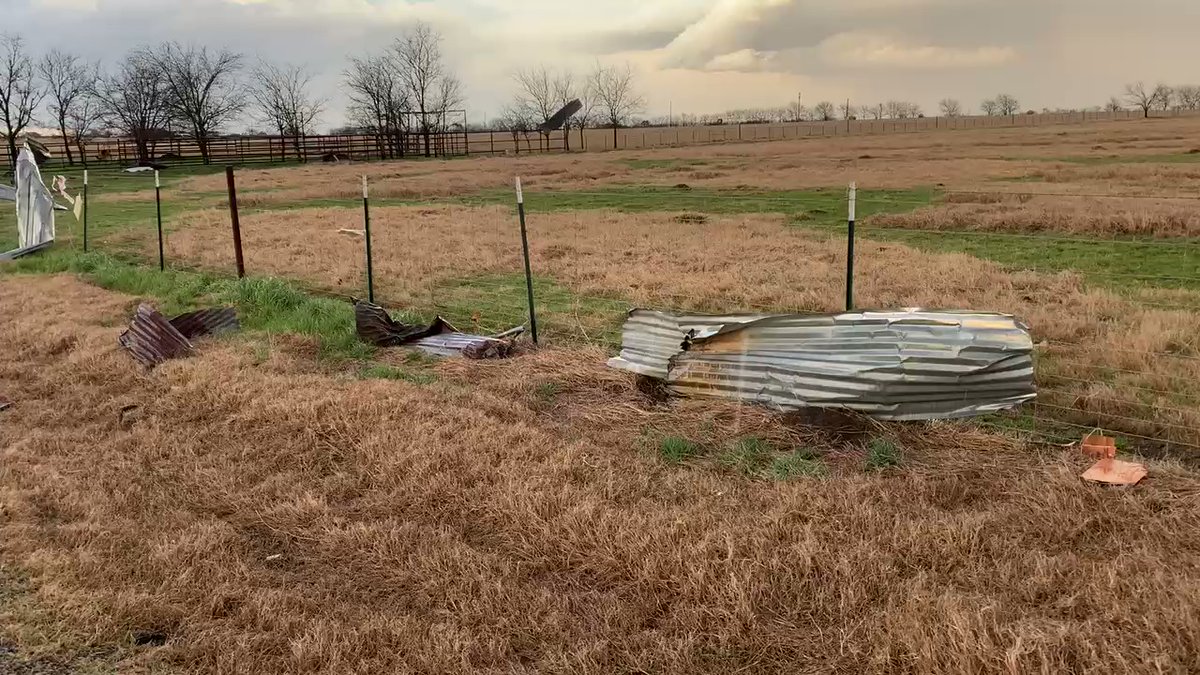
(492, 304)
(1116, 264)
(676, 449)
(748, 456)
(883, 453)
(263, 303)
(546, 392)
(815, 206)
(796, 464)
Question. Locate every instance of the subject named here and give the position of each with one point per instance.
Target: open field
(254, 511)
(293, 501)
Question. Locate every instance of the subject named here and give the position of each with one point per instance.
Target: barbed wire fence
(1114, 373)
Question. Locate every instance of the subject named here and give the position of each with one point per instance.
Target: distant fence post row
(365, 147)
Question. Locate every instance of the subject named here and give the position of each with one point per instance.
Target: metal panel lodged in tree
(902, 365)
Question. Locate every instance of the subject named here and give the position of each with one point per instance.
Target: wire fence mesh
(1115, 318)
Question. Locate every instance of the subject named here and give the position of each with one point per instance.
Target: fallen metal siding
(212, 321)
(151, 339)
(890, 365)
(375, 326)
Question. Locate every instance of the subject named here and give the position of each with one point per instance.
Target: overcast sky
(691, 55)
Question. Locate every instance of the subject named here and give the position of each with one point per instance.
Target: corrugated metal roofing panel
(151, 339)
(907, 364)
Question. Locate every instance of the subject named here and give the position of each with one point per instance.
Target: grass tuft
(883, 453)
(676, 449)
(796, 464)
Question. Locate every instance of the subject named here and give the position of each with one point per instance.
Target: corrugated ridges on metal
(212, 321)
(891, 365)
(151, 339)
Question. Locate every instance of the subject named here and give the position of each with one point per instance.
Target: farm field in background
(294, 501)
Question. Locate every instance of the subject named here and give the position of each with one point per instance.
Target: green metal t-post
(528, 269)
(85, 209)
(367, 234)
(162, 264)
(850, 249)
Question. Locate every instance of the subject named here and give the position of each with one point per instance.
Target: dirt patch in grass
(263, 520)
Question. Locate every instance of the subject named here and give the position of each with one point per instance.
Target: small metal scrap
(152, 339)
(375, 326)
(902, 365)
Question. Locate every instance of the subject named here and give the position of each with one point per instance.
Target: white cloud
(743, 60)
(867, 50)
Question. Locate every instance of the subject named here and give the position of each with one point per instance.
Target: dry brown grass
(960, 159)
(736, 263)
(470, 526)
(1017, 212)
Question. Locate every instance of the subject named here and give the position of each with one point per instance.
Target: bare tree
(428, 84)
(1188, 96)
(518, 120)
(1114, 105)
(1163, 95)
(990, 107)
(281, 95)
(823, 111)
(134, 100)
(795, 111)
(69, 82)
(950, 107)
(616, 96)
(1137, 95)
(20, 94)
(202, 90)
(848, 111)
(875, 112)
(1007, 104)
(543, 93)
(378, 101)
(589, 115)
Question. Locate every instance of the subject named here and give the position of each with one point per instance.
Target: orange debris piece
(1097, 446)
(1109, 470)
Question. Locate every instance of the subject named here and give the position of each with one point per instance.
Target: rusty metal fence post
(853, 197)
(237, 227)
(528, 270)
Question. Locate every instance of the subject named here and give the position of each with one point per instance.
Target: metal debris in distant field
(901, 365)
(558, 119)
(376, 327)
(152, 339)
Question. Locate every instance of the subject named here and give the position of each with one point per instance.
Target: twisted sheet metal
(375, 326)
(152, 339)
(904, 365)
(212, 321)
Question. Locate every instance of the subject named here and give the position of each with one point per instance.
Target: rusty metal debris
(375, 326)
(901, 365)
(152, 339)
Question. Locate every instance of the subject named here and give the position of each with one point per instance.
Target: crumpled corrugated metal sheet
(211, 321)
(152, 339)
(903, 365)
(375, 326)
